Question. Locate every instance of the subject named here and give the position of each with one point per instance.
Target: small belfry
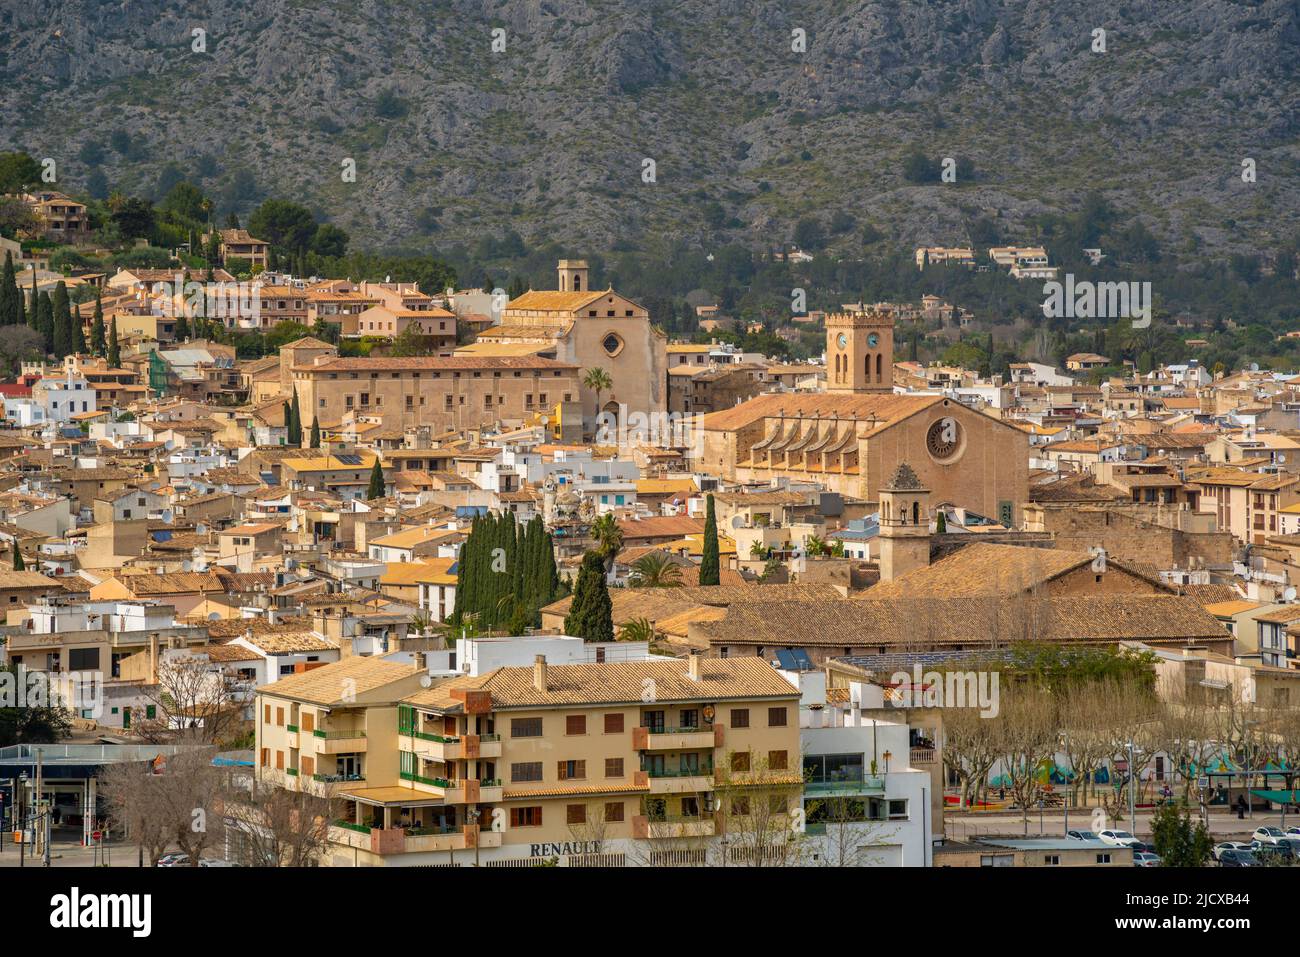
(904, 524)
(859, 352)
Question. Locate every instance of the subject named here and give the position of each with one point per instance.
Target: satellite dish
(737, 521)
(1289, 595)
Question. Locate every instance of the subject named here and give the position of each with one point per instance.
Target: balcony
(488, 791)
(432, 747)
(677, 739)
(676, 780)
(340, 740)
(867, 784)
(337, 778)
(922, 756)
(644, 828)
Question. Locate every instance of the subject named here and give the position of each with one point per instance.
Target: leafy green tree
(32, 725)
(598, 381)
(376, 489)
(284, 224)
(134, 218)
(608, 536)
(1177, 841)
(10, 297)
(710, 567)
(18, 170)
(591, 615)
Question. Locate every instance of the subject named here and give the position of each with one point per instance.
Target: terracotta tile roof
(329, 684)
(985, 568)
(624, 682)
(433, 364)
(916, 623)
(886, 408)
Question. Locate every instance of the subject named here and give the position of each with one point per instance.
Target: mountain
(550, 137)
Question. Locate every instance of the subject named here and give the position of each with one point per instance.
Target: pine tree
(295, 421)
(97, 343)
(315, 432)
(114, 350)
(376, 489)
(19, 564)
(709, 565)
(62, 343)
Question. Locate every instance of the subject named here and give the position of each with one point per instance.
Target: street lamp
(22, 818)
(887, 756)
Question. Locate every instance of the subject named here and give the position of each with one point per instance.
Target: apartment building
(617, 763)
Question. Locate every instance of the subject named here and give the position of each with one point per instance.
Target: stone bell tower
(860, 352)
(573, 275)
(904, 524)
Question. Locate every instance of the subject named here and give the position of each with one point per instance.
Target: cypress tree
(97, 343)
(19, 564)
(182, 328)
(591, 615)
(315, 432)
(295, 420)
(9, 294)
(46, 321)
(114, 351)
(78, 333)
(709, 565)
(376, 489)
(62, 343)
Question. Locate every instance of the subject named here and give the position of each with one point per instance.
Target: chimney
(422, 661)
(539, 673)
(693, 666)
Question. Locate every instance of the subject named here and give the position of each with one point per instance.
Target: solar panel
(350, 459)
(794, 659)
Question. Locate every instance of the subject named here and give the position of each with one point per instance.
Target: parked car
(1081, 835)
(214, 862)
(1293, 832)
(1140, 847)
(1236, 857)
(1269, 835)
(1145, 859)
(1223, 846)
(1118, 838)
(1282, 852)
(174, 860)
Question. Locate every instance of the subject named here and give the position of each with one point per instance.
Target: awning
(1279, 797)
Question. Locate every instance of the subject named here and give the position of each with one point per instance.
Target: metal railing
(359, 828)
(868, 782)
(421, 779)
(702, 770)
(339, 733)
(698, 729)
(337, 778)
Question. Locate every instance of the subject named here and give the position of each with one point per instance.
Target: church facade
(587, 328)
(853, 437)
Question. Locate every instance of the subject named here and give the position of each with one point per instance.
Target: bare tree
(969, 750)
(133, 807)
(278, 827)
(166, 803)
(1084, 709)
(759, 812)
(193, 701)
(1026, 737)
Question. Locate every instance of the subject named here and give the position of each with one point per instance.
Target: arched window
(878, 377)
(916, 513)
(577, 282)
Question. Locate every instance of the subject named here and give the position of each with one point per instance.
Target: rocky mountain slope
(551, 136)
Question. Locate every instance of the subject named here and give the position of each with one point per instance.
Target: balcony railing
(359, 828)
(430, 736)
(922, 755)
(490, 783)
(291, 728)
(489, 737)
(420, 779)
(292, 772)
(868, 782)
(703, 769)
(698, 729)
(337, 778)
(444, 829)
(338, 733)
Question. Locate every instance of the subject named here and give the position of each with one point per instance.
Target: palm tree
(814, 546)
(637, 629)
(608, 537)
(655, 570)
(597, 380)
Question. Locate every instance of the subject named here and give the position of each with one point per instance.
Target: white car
(1293, 832)
(214, 862)
(1145, 859)
(1231, 846)
(1269, 835)
(1118, 838)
